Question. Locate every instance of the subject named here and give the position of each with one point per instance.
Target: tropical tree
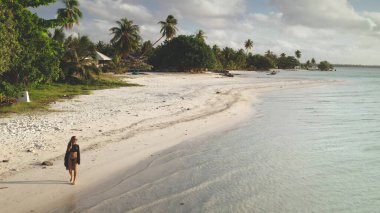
(216, 49)
(200, 34)
(240, 59)
(289, 62)
(325, 66)
(31, 56)
(248, 44)
(298, 54)
(117, 65)
(313, 62)
(126, 38)
(147, 48)
(34, 55)
(106, 48)
(273, 57)
(228, 58)
(283, 55)
(218, 55)
(71, 13)
(183, 53)
(8, 39)
(259, 62)
(59, 35)
(307, 64)
(78, 58)
(168, 28)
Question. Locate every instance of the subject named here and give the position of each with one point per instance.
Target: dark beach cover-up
(70, 163)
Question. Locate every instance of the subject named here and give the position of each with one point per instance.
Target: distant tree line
(356, 65)
(38, 52)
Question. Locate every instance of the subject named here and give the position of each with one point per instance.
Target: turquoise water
(306, 150)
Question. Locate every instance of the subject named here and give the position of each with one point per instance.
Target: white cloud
(321, 14)
(206, 8)
(325, 29)
(116, 9)
(374, 20)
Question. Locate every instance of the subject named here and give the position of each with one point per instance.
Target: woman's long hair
(70, 144)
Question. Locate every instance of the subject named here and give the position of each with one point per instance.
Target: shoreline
(30, 188)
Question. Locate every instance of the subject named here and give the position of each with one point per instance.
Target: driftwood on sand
(225, 73)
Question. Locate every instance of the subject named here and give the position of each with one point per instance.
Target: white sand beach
(116, 129)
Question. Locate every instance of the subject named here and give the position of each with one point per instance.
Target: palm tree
(298, 54)
(147, 47)
(71, 14)
(313, 61)
(307, 65)
(168, 28)
(126, 38)
(248, 44)
(78, 58)
(59, 35)
(283, 55)
(268, 53)
(200, 35)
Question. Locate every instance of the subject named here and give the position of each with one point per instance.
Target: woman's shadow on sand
(35, 182)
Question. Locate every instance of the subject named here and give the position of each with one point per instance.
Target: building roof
(102, 57)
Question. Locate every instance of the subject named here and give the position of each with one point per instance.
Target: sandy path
(122, 126)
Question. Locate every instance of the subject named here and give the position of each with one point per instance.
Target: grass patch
(45, 94)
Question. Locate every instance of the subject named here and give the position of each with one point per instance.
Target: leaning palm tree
(71, 14)
(147, 47)
(168, 28)
(298, 54)
(200, 35)
(248, 44)
(126, 38)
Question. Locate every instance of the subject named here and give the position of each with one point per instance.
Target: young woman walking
(72, 159)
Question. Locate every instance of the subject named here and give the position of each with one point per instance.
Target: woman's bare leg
(71, 175)
(75, 173)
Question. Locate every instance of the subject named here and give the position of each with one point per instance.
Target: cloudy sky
(340, 31)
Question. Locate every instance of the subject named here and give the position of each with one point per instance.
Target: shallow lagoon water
(305, 150)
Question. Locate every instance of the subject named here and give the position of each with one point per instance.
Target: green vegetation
(45, 64)
(106, 48)
(44, 94)
(248, 44)
(168, 28)
(298, 54)
(183, 53)
(126, 38)
(356, 65)
(8, 38)
(229, 58)
(35, 56)
(71, 13)
(200, 35)
(78, 59)
(325, 66)
(259, 62)
(287, 62)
